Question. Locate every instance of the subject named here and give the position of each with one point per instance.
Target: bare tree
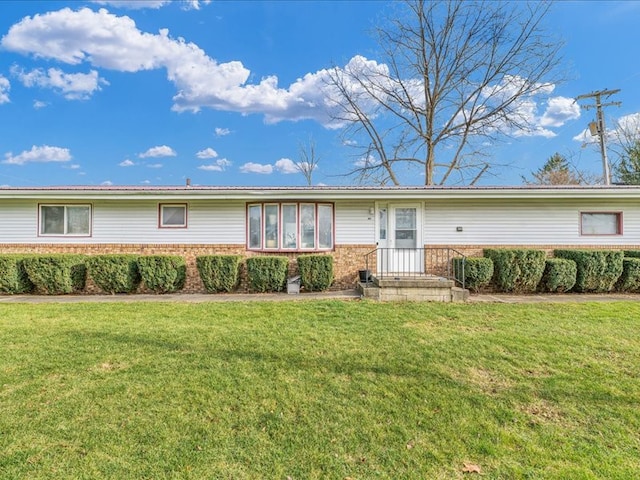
(457, 77)
(308, 160)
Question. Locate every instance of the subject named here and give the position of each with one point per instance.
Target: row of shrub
(528, 271)
(62, 274)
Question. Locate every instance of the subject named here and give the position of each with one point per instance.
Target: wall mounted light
(371, 211)
(458, 229)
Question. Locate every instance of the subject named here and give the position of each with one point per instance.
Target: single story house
(349, 223)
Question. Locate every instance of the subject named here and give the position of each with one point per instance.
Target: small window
(65, 220)
(382, 220)
(601, 223)
(173, 216)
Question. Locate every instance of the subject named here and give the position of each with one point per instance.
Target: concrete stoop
(419, 289)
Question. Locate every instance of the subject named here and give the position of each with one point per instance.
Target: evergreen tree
(627, 170)
(556, 171)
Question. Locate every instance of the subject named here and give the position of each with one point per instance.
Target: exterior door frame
(393, 259)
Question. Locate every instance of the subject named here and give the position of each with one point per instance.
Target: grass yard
(319, 390)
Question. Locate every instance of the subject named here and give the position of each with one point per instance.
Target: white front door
(400, 240)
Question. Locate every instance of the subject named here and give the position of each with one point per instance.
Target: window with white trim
(173, 215)
(65, 220)
(601, 223)
(290, 226)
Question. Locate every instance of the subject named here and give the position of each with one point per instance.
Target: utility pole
(598, 127)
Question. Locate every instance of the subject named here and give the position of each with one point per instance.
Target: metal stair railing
(398, 263)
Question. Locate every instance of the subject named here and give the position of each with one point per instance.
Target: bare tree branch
(456, 76)
(308, 160)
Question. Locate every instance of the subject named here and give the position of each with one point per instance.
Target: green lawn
(326, 389)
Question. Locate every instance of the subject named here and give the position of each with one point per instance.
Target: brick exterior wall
(477, 250)
(348, 259)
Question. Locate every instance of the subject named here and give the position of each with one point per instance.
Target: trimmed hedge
(316, 272)
(632, 253)
(598, 270)
(13, 276)
(268, 273)
(219, 273)
(478, 271)
(629, 281)
(559, 275)
(115, 273)
(56, 274)
(516, 270)
(163, 273)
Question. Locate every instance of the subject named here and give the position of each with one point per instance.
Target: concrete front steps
(413, 289)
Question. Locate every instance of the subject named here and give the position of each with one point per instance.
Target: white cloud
(145, 182)
(108, 41)
(154, 165)
(210, 168)
(559, 111)
(195, 4)
(159, 151)
(74, 86)
(368, 161)
(621, 131)
(107, 183)
(207, 153)
(523, 113)
(219, 166)
(629, 123)
(126, 163)
(251, 167)
(286, 166)
(5, 86)
(42, 154)
(73, 166)
(38, 104)
(221, 132)
(585, 137)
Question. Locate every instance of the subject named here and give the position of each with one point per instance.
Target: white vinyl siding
(536, 223)
(208, 223)
(354, 224)
(483, 222)
(134, 222)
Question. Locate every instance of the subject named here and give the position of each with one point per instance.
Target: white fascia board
(319, 193)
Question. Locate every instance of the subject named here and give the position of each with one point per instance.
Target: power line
(598, 127)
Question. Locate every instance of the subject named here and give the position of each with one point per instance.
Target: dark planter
(365, 276)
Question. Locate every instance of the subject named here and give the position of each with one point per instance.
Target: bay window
(290, 226)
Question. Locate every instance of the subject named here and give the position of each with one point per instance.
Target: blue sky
(225, 92)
